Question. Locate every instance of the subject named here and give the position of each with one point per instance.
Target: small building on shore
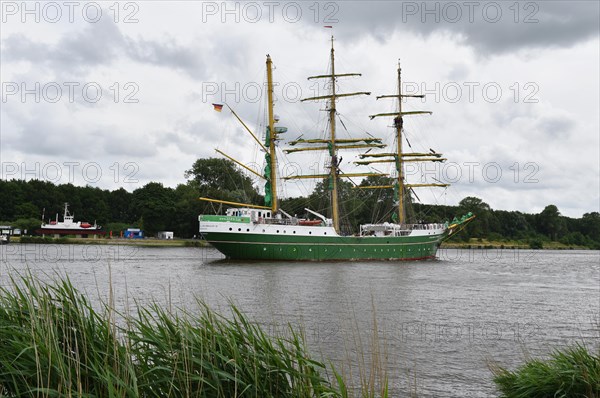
(133, 233)
(165, 235)
(6, 231)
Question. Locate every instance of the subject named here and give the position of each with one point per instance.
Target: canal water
(435, 326)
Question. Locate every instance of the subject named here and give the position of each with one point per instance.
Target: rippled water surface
(437, 323)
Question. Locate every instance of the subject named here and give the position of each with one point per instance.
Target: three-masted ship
(267, 232)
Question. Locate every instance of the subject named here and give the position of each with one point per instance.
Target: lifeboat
(85, 225)
(310, 222)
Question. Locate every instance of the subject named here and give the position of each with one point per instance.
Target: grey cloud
(101, 43)
(556, 126)
(168, 54)
(40, 135)
(44, 131)
(119, 144)
(536, 24)
(192, 137)
(97, 44)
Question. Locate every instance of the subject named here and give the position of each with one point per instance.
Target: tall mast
(272, 135)
(332, 149)
(331, 143)
(400, 158)
(270, 172)
(399, 163)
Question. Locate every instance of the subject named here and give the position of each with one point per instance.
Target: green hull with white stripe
(311, 248)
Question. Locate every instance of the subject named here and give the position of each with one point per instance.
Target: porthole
(247, 229)
(277, 231)
(294, 231)
(310, 232)
(231, 229)
(325, 233)
(239, 230)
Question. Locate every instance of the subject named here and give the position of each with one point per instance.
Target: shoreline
(473, 244)
(114, 241)
(508, 245)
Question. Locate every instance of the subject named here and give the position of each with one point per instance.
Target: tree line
(155, 207)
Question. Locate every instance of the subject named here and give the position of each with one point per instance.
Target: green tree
(590, 225)
(222, 179)
(156, 206)
(481, 226)
(119, 202)
(550, 222)
(187, 209)
(376, 204)
(27, 210)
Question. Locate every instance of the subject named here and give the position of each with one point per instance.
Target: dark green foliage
(43, 239)
(482, 210)
(214, 176)
(550, 222)
(571, 373)
(155, 205)
(54, 343)
(536, 244)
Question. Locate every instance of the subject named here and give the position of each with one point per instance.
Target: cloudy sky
(117, 94)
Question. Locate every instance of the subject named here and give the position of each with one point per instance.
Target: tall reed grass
(53, 343)
(570, 373)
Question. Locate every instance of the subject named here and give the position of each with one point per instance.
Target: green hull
(309, 248)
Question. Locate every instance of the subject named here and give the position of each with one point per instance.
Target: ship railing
(422, 226)
(278, 221)
(398, 229)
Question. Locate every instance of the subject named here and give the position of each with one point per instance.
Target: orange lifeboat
(85, 225)
(310, 222)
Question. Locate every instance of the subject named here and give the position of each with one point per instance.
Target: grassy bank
(150, 242)
(573, 372)
(474, 243)
(53, 343)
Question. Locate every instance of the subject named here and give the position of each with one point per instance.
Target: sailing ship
(255, 232)
(68, 226)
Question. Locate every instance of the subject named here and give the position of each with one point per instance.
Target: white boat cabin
(255, 215)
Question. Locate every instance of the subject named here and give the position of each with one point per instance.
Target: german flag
(218, 107)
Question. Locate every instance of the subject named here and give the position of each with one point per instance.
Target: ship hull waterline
(313, 248)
